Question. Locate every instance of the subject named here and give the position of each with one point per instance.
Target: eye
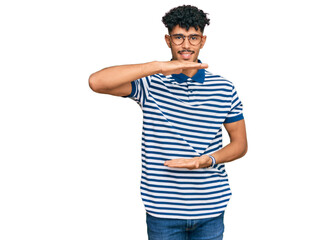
(194, 37)
(178, 37)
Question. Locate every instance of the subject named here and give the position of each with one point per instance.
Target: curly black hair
(185, 16)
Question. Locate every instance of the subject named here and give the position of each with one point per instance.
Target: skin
(116, 80)
(185, 51)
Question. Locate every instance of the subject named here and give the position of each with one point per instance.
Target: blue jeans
(178, 229)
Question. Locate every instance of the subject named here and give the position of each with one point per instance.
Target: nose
(186, 44)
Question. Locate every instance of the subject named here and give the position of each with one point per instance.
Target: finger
(178, 166)
(173, 161)
(176, 163)
(196, 65)
(181, 163)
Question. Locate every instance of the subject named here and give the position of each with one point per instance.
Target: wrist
(212, 161)
(156, 67)
(150, 68)
(205, 161)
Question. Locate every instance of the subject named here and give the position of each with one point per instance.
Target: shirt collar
(198, 77)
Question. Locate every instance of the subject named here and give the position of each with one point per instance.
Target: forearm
(230, 152)
(112, 77)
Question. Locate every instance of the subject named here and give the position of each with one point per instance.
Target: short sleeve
(236, 111)
(140, 90)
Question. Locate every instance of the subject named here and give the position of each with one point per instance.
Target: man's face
(186, 51)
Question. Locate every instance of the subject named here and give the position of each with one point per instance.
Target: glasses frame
(184, 37)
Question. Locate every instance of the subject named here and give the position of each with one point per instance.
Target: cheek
(174, 53)
(197, 51)
(174, 50)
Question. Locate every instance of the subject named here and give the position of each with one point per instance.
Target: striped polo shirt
(183, 118)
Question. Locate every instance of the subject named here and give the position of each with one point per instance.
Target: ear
(203, 41)
(167, 38)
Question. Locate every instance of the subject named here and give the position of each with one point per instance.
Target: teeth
(185, 53)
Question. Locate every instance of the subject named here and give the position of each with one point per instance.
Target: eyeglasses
(178, 39)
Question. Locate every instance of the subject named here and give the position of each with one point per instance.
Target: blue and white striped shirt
(182, 118)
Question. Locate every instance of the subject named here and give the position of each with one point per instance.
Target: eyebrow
(193, 34)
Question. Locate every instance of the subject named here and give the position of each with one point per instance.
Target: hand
(190, 163)
(176, 66)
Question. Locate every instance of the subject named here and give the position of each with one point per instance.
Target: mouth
(186, 54)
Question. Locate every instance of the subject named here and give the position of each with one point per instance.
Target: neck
(189, 72)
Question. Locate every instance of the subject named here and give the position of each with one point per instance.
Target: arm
(237, 148)
(117, 80)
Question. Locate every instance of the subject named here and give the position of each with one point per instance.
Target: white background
(70, 158)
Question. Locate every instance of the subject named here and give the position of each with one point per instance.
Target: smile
(186, 53)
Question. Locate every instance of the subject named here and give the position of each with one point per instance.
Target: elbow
(244, 149)
(240, 149)
(94, 83)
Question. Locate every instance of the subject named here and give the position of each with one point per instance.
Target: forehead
(178, 30)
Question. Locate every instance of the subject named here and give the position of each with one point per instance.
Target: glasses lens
(177, 39)
(195, 39)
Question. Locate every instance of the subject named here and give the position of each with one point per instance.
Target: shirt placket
(191, 90)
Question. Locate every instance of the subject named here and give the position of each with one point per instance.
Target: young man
(184, 186)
